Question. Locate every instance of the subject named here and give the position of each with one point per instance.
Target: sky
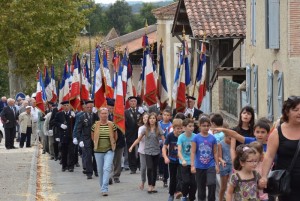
(113, 1)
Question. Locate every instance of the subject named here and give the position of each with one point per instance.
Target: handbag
(279, 181)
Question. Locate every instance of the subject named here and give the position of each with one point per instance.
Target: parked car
(1, 131)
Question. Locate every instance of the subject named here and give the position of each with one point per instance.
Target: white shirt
(34, 114)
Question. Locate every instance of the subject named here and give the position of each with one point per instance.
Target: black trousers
(152, 163)
(175, 183)
(76, 154)
(56, 150)
(206, 177)
(163, 169)
(26, 136)
(89, 160)
(132, 160)
(10, 134)
(189, 186)
(67, 155)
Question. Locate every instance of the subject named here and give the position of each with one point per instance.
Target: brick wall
(294, 28)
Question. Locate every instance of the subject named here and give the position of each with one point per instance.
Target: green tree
(119, 15)
(31, 30)
(146, 13)
(98, 20)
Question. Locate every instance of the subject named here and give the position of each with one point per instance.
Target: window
(272, 24)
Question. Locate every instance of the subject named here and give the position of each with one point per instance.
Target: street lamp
(85, 32)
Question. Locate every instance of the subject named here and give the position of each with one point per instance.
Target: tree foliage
(31, 30)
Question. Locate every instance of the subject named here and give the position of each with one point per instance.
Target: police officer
(64, 121)
(83, 130)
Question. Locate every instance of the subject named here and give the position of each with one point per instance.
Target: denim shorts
(225, 171)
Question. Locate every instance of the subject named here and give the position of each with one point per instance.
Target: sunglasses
(293, 98)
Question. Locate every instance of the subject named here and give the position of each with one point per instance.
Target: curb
(31, 191)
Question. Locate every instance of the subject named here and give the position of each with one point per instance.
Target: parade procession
(150, 100)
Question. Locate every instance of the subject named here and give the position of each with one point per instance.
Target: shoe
(84, 171)
(77, 165)
(28, 146)
(165, 185)
(51, 158)
(126, 168)
(132, 172)
(183, 199)
(89, 177)
(63, 169)
(14, 147)
(110, 181)
(171, 198)
(154, 191)
(178, 195)
(17, 140)
(96, 174)
(55, 158)
(104, 194)
(116, 180)
(71, 170)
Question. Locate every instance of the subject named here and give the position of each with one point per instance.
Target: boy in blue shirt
(261, 130)
(171, 158)
(184, 155)
(204, 161)
(166, 125)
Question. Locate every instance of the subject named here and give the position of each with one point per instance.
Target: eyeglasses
(293, 98)
(253, 162)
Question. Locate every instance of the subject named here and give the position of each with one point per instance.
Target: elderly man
(131, 131)
(25, 127)
(64, 121)
(9, 117)
(35, 118)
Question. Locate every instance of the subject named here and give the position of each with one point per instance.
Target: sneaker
(104, 194)
(184, 199)
(116, 180)
(178, 195)
(171, 198)
(110, 182)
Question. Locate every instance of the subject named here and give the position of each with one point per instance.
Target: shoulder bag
(279, 181)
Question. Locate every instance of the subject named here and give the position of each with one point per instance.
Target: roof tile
(218, 18)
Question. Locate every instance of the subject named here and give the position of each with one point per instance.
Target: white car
(1, 131)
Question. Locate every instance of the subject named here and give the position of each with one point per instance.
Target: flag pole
(201, 52)
(184, 56)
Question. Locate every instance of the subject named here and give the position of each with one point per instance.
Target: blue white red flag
(201, 75)
(40, 93)
(119, 108)
(162, 83)
(75, 85)
(48, 86)
(99, 84)
(109, 86)
(64, 88)
(53, 86)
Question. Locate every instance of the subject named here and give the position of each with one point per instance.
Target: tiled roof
(122, 40)
(218, 18)
(165, 12)
(111, 35)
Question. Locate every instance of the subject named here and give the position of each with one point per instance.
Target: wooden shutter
(248, 84)
(274, 24)
(280, 92)
(255, 91)
(270, 95)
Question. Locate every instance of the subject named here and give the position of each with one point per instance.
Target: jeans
(104, 166)
(143, 167)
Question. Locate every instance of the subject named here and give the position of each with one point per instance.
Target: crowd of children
(224, 162)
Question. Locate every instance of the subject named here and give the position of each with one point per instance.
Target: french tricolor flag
(64, 87)
(201, 75)
(75, 85)
(53, 86)
(150, 81)
(48, 86)
(109, 86)
(119, 108)
(85, 86)
(99, 84)
(162, 84)
(40, 93)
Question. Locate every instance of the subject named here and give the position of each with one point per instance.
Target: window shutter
(280, 92)
(255, 87)
(274, 24)
(270, 95)
(248, 84)
(253, 22)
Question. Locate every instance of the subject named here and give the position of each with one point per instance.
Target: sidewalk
(17, 175)
(58, 185)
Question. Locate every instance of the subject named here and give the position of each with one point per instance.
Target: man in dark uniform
(64, 121)
(55, 131)
(83, 130)
(131, 131)
(120, 144)
(9, 117)
(190, 110)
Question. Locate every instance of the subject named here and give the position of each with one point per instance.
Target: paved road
(15, 166)
(58, 185)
